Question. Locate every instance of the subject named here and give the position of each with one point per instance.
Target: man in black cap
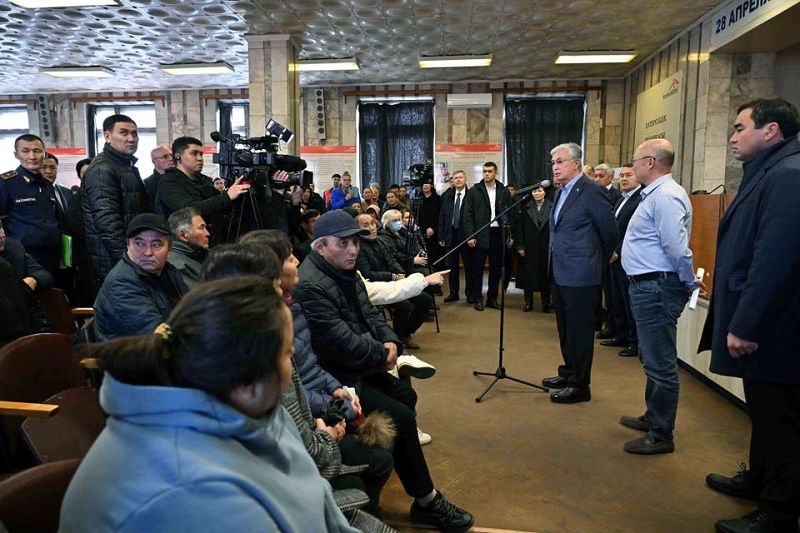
(356, 345)
(141, 290)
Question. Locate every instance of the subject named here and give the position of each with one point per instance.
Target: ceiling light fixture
(595, 56)
(310, 65)
(189, 69)
(42, 4)
(78, 72)
(455, 61)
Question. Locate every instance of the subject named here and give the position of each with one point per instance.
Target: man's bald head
(653, 159)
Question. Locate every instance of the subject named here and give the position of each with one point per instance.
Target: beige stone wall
(714, 86)
(604, 127)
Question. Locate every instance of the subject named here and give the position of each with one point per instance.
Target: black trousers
(774, 410)
(495, 255)
(621, 315)
(575, 320)
(383, 392)
(602, 301)
(410, 314)
(466, 254)
(544, 293)
(374, 477)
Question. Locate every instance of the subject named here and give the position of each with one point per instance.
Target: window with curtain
(145, 118)
(13, 123)
(392, 137)
(533, 126)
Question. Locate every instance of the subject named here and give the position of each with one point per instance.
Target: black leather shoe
(451, 298)
(742, 485)
(759, 521)
(442, 515)
(554, 383)
(492, 304)
(479, 304)
(649, 445)
(613, 342)
(630, 351)
(571, 395)
(605, 334)
(546, 307)
(528, 307)
(635, 422)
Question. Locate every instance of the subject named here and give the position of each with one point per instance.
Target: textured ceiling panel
(386, 36)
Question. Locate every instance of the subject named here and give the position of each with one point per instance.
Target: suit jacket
(623, 218)
(757, 278)
(532, 234)
(478, 212)
(584, 237)
(446, 215)
(614, 194)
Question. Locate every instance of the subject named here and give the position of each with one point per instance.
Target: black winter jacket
(347, 332)
(187, 258)
(113, 193)
(176, 190)
(376, 261)
(20, 311)
(134, 302)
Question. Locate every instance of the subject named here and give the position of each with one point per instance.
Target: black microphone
(529, 188)
(703, 191)
(217, 137)
(290, 163)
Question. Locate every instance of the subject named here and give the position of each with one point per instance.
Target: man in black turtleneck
(187, 186)
(113, 194)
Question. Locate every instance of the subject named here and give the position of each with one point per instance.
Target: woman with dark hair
(196, 436)
(323, 389)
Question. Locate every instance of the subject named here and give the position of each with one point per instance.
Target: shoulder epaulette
(8, 175)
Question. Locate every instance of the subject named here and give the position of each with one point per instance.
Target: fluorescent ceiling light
(78, 72)
(455, 61)
(187, 69)
(596, 56)
(328, 64)
(40, 4)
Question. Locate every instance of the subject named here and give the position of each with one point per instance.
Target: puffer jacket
(113, 193)
(347, 332)
(187, 258)
(376, 261)
(134, 302)
(318, 384)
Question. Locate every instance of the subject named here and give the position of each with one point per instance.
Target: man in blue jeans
(657, 259)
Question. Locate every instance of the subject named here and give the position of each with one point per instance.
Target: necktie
(457, 211)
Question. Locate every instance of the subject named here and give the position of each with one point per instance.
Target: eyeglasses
(641, 158)
(165, 156)
(559, 161)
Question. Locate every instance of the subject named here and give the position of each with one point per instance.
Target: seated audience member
(394, 233)
(189, 244)
(367, 197)
(20, 311)
(345, 195)
(378, 460)
(141, 290)
(204, 441)
(377, 263)
(391, 202)
(375, 212)
(356, 207)
(219, 184)
(354, 343)
(302, 238)
(25, 267)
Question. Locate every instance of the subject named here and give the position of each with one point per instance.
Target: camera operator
(186, 186)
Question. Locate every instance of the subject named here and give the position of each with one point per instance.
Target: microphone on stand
(529, 188)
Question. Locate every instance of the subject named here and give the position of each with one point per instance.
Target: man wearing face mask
(29, 200)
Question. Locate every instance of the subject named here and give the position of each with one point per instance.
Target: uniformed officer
(34, 217)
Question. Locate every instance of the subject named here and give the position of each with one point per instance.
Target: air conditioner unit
(469, 101)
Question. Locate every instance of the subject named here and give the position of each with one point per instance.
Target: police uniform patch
(8, 175)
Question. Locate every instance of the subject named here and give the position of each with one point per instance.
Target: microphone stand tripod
(500, 372)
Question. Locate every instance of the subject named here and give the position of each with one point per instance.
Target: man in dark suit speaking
(583, 234)
(753, 325)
